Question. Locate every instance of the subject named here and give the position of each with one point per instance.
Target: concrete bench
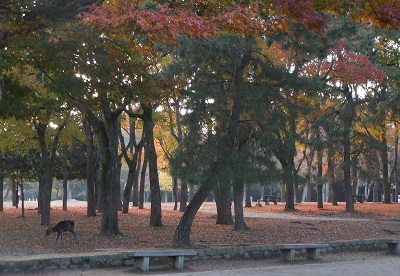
(312, 250)
(359, 198)
(393, 245)
(142, 257)
(271, 198)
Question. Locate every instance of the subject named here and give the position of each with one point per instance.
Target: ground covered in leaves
(370, 220)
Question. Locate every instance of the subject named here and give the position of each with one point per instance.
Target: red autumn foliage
(346, 66)
(371, 220)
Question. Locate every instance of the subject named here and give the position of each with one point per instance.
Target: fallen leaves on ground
(26, 236)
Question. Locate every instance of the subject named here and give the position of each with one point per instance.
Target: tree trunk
(395, 169)
(132, 180)
(354, 174)
(99, 174)
(385, 167)
(376, 182)
(65, 177)
(331, 176)
(46, 172)
(223, 201)
(155, 213)
(184, 196)
(108, 142)
(90, 171)
(347, 117)
(320, 203)
(248, 198)
(143, 179)
(118, 182)
(128, 187)
(346, 173)
(175, 192)
(288, 180)
(40, 191)
(182, 233)
(22, 199)
(309, 169)
(238, 188)
(1, 184)
(135, 189)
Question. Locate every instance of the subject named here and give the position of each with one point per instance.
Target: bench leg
(288, 254)
(394, 248)
(276, 202)
(178, 261)
(143, 263)
(312, 253)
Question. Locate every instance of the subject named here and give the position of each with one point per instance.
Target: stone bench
(393, 245)
(288, 251)
(271, 198)
(142, 257)
(359, 198)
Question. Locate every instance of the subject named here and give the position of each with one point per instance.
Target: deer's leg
(58, 235)
(74, 233)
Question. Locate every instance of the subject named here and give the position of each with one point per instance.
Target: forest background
(231, 93)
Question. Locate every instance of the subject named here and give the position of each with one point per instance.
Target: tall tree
(131, 153)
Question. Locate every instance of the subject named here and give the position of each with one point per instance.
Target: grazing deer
(62, 226)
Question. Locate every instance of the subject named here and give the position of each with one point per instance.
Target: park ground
(268, 225)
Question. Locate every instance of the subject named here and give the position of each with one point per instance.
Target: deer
(62, 226)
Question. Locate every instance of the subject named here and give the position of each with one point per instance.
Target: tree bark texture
(99, 174)
(182, 233)
(135, 189)
(46, 171)
(143, 179)
(133, 171)
(347, 117)
(107, 129)
(148, 128)
(331, 176)
(175, 192)
(309, 170)
(1, 186)
(320, 203)
(248, 199)
(238, 192)
(385, 168)
(90, 171)
(65, 177)
(223, 201)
